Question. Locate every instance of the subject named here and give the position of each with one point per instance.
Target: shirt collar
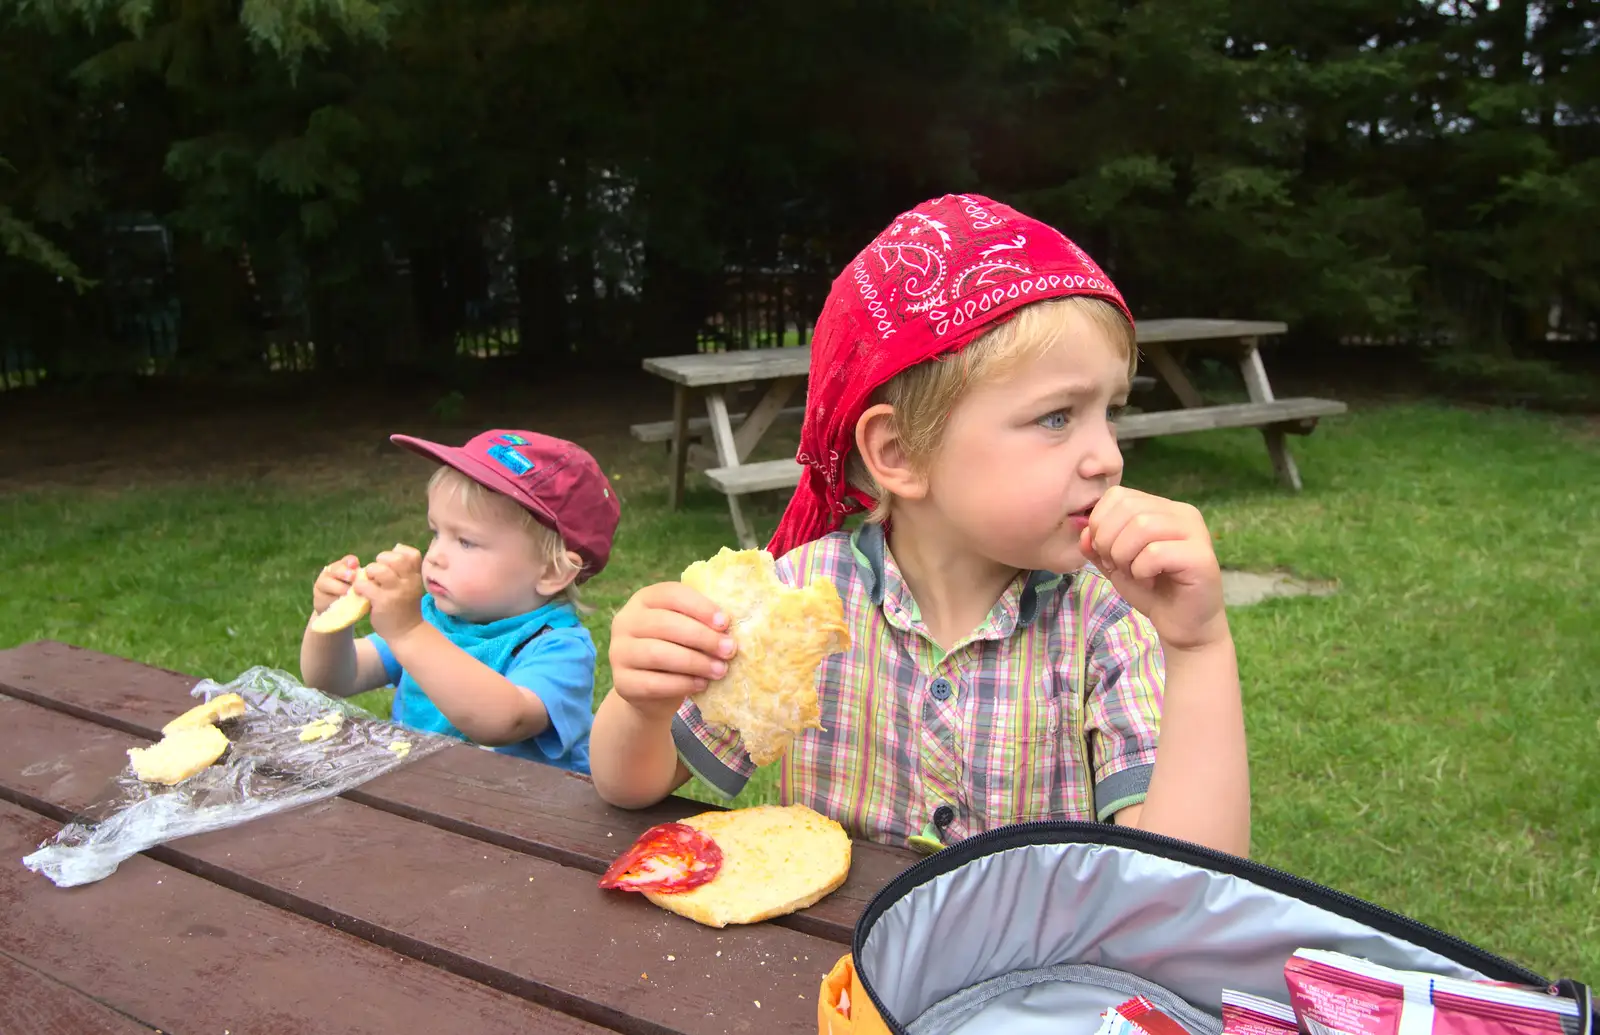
(1016, 608)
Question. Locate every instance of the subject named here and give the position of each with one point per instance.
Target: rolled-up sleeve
(1122, 716)
(717, 756)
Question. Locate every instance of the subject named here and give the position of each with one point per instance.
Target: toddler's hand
(333, 581)
(1158, 555)
(394, 585)
(666, 643)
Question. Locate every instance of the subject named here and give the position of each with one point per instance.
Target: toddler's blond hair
(483, 503)
(923, 395)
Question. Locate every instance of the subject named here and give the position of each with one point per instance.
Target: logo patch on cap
(511, 440)
(511, 460)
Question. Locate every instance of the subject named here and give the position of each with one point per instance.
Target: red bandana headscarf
(936, 278)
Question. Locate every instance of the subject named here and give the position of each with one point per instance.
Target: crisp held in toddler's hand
(344, 612)
(769, 692)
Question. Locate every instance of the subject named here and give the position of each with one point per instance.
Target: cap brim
(478, 471)
(422, 447)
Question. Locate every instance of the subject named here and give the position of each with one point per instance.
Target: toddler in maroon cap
(480, 635)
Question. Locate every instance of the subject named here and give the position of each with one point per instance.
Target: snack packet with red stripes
(1335, 994)
(1138, 1016)
(1143, 1013)
(1245, 1014)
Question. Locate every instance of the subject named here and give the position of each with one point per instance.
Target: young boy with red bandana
(1029, 639)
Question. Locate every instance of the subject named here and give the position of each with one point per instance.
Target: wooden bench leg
(1260, 389)
(1282, 463)
(679, 447)
(728, 456)
(1171, 372)
(741, 526)
(763, 414)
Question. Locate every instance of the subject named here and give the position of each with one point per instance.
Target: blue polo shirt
(547, 652)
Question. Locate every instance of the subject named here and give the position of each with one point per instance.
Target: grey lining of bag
(1095, 988)
(974, 949)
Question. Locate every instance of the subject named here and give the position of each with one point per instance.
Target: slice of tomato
(668, 858)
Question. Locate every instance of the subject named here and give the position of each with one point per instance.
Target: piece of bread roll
(776, 859)
(179, 755)
(769, 693)
(219, 709)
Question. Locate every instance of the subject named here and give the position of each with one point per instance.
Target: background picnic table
(777, 374)
(456, 893)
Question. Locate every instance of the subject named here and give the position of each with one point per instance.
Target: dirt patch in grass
(1243, 588)
(314, 434)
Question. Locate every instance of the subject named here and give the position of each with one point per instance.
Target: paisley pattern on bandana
(954, 271)
(935, 278)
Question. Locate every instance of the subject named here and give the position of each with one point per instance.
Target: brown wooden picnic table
(457, 893)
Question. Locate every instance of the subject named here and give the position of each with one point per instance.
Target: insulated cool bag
(1039, 927)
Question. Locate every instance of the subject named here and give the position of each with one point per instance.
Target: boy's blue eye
(1055, 420)
(1115, 411)
(467, 543)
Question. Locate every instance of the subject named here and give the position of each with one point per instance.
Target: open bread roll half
(776, 859)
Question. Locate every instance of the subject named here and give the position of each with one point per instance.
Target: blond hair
(924, 395)
(483, 503)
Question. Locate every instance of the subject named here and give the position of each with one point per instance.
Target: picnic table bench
(734, 436)
(454, 894)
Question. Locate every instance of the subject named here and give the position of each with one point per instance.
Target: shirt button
(943, 816)
(940, 690)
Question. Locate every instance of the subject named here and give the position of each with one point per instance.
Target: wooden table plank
(1282, 413)
(1182, 329)
(36, 1003)
(540, 931)
(523, 806)
(699, 369)
(184, 955)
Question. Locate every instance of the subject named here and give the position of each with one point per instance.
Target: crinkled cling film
(769, 693)
(267, 768)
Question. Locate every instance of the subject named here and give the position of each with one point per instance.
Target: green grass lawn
(1425, 738)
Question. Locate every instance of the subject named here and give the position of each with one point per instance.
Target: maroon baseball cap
(557, 481)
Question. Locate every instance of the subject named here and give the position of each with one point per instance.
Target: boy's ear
(558, 577)
(884, 453)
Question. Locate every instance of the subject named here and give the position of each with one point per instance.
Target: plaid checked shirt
(1048, 710)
